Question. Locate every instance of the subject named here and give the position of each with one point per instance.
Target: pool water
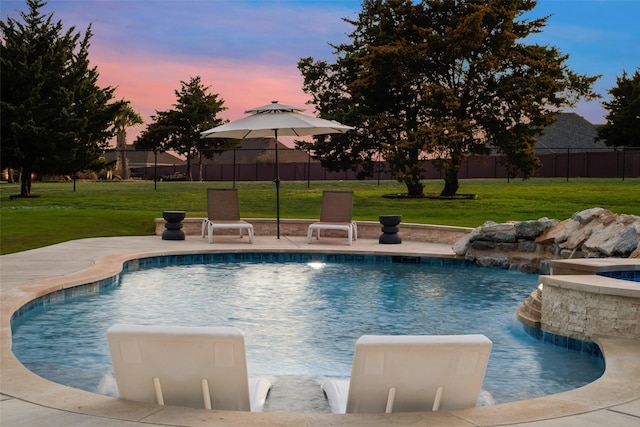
(301, 321)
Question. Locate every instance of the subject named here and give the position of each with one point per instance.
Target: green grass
(128, 208)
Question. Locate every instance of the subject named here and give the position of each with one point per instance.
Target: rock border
(528, 245)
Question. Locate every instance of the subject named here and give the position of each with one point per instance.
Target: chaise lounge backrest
(224, 213)
(223, 205)
(337, 206)
(335, 214)
(201, 367)
(412, 373)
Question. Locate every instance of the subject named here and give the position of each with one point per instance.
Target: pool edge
(620, 383)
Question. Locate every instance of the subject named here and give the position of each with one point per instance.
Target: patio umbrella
(272, 120)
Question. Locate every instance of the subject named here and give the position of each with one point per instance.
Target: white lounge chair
(335, 214)
(201, 367)
(223, 212)
(411, 373)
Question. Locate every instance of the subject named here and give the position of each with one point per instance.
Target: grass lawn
(100, 208)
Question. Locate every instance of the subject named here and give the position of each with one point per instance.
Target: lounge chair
(411, 373)
(224, 212)
(335, 214)
(200, 367)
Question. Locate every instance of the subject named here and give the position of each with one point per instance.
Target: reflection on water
(301, 322)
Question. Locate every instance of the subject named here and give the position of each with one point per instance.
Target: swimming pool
(301, 318)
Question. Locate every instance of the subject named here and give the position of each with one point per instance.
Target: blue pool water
(301, 320)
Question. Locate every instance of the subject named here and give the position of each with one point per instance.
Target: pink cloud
(149, 82)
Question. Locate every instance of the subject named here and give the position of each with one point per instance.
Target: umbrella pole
(277, 181)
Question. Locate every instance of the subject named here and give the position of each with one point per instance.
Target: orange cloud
(149, 82)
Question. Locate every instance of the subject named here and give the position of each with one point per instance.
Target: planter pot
(173, 225)
(390, 229)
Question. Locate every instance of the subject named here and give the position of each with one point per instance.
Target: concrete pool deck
(27, 399)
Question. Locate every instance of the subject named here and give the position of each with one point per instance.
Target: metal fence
(621, 162)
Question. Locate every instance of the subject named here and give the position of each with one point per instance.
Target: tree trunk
(122, 165)
(451, 183)
(189, 177)
(25, 183)
(415, 188)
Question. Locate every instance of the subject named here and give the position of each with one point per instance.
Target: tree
(158, 133)
(337, 152)
(179, 129)
(442, 79)
(623, 117)
(55, 118)
(126, 117)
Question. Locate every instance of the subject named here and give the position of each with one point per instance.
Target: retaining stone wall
(298, 227)
(582, 314)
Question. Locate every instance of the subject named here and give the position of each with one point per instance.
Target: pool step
(297, 394)
(530, 311)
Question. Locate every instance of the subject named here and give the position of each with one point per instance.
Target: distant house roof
(259, 150)
(570, 131)
(145, 158)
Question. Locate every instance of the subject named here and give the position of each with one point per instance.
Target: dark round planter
(173, 216)
(390, 220)
(173, 225)
(390, 229)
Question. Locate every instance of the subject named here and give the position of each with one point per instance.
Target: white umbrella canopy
(272, 120)
(275, 119)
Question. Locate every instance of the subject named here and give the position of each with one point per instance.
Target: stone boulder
(493, 260)
(498, 233)
(550, 235)
(532, 229)
(461, 246)
(588, 215)
(500, 245)
(619, 238)
(603, 239)
(575, 234)
(629, 241)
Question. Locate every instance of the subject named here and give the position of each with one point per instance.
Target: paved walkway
(29, 400)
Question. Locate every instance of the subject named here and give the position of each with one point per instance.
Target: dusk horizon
(247, 51)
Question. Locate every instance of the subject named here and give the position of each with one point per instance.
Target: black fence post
(309, 169)
(568, 161)
(155, 170)
(623, 160)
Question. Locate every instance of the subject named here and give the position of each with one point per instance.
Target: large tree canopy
(55, 117)
(623, 117)
(440, 79)
(179, 129)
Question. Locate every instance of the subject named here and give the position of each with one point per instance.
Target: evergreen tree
(441, 79)
(623, 117)
(55, 118)
(179, 129)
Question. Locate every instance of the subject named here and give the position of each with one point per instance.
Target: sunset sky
(247, 50)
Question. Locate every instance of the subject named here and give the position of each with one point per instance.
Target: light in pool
(316, 265)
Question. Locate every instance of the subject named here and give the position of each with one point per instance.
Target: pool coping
(615, 394)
